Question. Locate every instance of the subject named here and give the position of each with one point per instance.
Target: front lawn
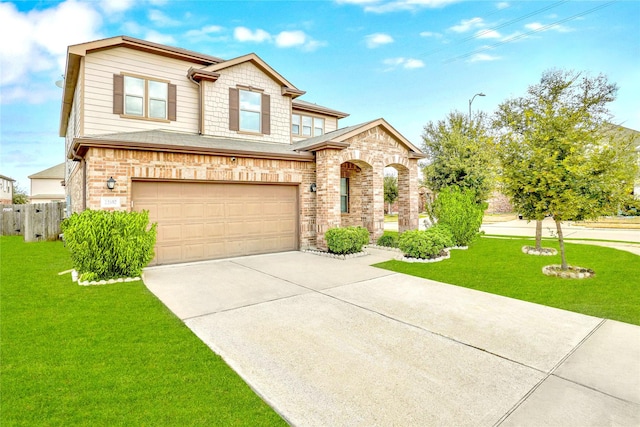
(498, 266)
(104, 355)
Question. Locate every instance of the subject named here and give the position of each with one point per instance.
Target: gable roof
(338, 138)
(56, 172)
(287, 87)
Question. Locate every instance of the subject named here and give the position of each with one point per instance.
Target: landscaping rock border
(334, 256)
(384, 248)
(422, 260)
(572, 273)
(74, 278)
(531, 250)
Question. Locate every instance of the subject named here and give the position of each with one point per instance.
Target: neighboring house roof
(56, 172)
(6, 178)
(299, 104)
(178, 142)
(338, 137)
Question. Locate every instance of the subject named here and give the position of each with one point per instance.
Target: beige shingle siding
(98, 97)
(216, 113)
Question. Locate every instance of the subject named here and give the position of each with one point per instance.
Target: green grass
(498, 266)
(104, 355)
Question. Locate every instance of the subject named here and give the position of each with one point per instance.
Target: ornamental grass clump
(107, 245)
(346, 240)
(388, 240)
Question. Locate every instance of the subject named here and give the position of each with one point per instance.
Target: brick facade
(126, 166)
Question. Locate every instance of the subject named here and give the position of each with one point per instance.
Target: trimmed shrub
(388, 240)
(106, 245)
(459, 211)
(441, 234)
(346, 240)
(421, 244)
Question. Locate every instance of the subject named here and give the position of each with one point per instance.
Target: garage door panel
(215, 220)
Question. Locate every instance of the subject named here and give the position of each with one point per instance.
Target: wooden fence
(37, 221)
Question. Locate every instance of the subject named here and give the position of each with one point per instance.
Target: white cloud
(483, 57)
(284, 39)
(407, 63)
(243, 34)
(291, 38)
(537, 26)
(161, 19)
(488, 34)
(204, 32)
(502, 5)
(468, 25)
(39, 38)
(378, 39)
(430, 34)
(385, 6)
(111, 7)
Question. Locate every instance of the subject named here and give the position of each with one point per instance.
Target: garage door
(199, 221)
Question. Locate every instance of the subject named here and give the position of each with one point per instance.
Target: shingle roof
(56, 172)
(185, 142)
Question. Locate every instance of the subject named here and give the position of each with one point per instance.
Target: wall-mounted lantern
(313, 188)
(111, 183)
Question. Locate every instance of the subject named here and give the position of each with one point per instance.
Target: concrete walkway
(340, 343)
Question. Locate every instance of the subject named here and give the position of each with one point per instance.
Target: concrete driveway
(340, 343)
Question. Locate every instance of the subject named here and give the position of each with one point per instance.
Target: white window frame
(146, 98)
(249, 110)
(312, 127)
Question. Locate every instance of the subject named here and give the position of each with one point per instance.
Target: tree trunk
(538, 235)
(561, 242)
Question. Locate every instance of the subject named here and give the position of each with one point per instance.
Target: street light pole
(471, 100)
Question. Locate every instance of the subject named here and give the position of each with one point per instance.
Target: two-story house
(48, 185)
(6, 190)
(222, 153)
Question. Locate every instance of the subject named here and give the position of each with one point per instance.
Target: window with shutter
(139, 97)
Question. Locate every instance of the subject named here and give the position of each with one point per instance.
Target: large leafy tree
(459, 150)
(390, 189)
(20, 196)
(560, 155)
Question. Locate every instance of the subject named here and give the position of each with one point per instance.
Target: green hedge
(388, 240)
(458, 210)
(106, 245)
(346, 240)
(425, 244)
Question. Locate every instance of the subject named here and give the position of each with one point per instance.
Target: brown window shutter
(118, 94)
(266, 114)
(171, 105)
(234, 109)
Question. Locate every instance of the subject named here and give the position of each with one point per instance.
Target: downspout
(200, 108)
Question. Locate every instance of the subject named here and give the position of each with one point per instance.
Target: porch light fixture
(111, 183)
(313, 187)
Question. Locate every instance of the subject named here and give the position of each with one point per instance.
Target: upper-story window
(306, 125)
(144, 98)
(250, 110)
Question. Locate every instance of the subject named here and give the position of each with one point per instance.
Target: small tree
(460, 153)
(560, 156)
(390, 189)
(20, 196)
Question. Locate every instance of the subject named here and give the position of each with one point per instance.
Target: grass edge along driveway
(104, 355)
(498, 266)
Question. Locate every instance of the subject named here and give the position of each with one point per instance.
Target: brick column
(408, 197)
(328, 193)
(378, 201)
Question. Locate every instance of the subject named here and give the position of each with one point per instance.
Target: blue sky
(409, 61)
